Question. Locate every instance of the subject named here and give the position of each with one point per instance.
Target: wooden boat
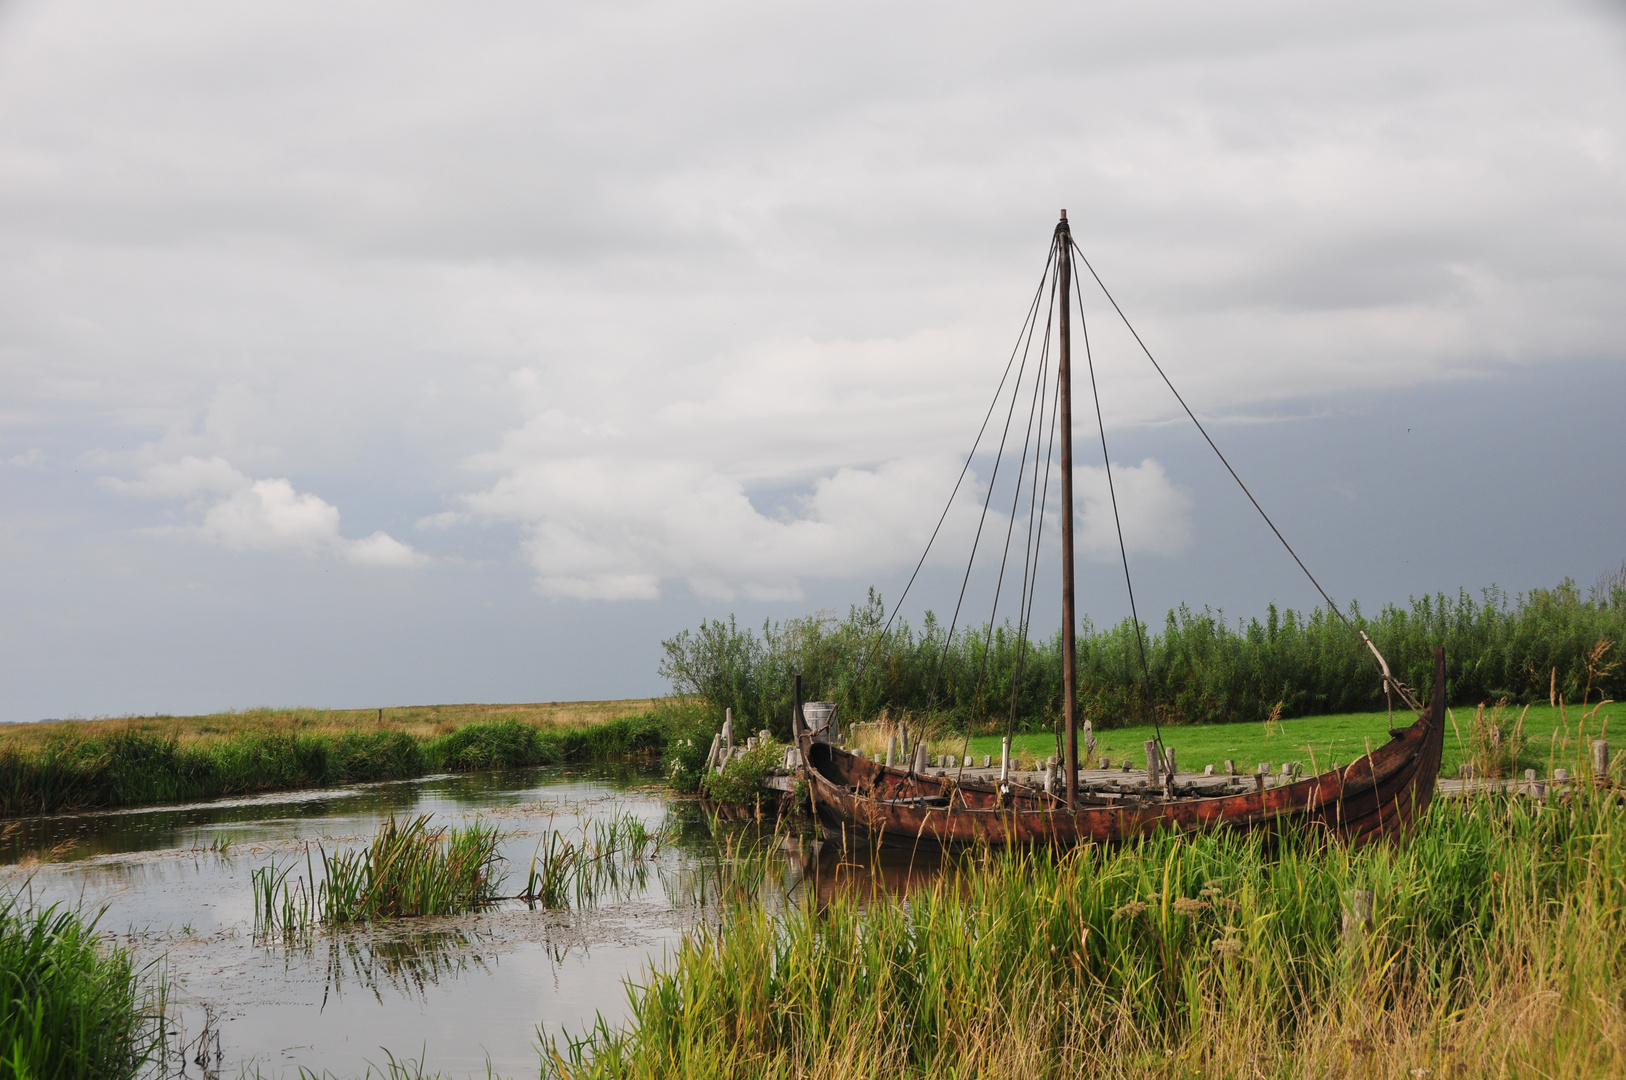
(1379, 794)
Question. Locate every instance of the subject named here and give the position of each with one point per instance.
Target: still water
(459, 993)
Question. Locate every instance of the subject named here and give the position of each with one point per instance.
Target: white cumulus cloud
(240, 513)
(615, 528)
(1156, 514)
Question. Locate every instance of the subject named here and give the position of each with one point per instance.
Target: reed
(126, 763)
(409, 870)
(71, 1006)
(1495, 947)
(608, 857)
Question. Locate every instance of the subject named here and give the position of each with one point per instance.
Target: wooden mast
(1069, 620)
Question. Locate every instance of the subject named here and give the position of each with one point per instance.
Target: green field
(1557, 737)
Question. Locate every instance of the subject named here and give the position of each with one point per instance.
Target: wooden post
(987, 760)
(892, 751)
(1005, 758)
(716, 745)
(1208, 770)
(728, 732)
(1154, 762)
(919, 765)
(1230, 767)
(1357, 915)
(798, 718)
(1069, 617)
(1600, 761)
(1168, 759)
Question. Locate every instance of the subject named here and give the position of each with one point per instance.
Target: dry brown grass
(423, 721)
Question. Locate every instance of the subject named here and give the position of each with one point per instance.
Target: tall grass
(1203, 668)
(1495, 948)
(409, 870)
(609, 857)
(96, 767)
(71, 1006)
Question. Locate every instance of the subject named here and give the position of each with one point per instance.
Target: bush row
(1202, 667)
(77, 771)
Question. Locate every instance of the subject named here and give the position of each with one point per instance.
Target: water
(460, 993)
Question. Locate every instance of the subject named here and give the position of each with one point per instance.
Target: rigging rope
(1388, 680)
(1333, 607)
(1033, 309)
(1123, 550)
(982, 519)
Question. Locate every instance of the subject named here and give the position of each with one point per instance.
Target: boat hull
(1379, 794)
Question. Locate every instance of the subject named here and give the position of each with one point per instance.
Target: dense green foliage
(740, 779)
(1203, 668)
(409, 870)
(1216, 955)
(70, 1006)
(131, 769)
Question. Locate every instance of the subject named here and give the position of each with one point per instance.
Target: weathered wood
(891, 751)
(1069, 616)
(1357, 911)
(1208, 770)
(716, 745)
(1230, 767)
(1600, 761)
(1154, 762)
(1168, 761)
(728, 729)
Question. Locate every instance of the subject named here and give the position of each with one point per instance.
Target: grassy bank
(1553, 737)
(147, 760)
(1495, 947)
(70, 1006)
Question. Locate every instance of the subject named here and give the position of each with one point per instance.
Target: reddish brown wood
(1379, 794)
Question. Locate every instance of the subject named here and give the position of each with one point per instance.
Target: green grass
(105, 764)
(408, 871)
(1321, 739)
(70, 1005)
(1495, 948)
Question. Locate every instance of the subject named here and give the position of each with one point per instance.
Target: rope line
(1333, 607)
(982, 519)
(1033, 310)
(1117, 521)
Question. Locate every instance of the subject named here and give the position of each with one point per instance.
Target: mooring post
(920, 759)
(1230, 767)
(1357, 915)
(1168, 759)
(1154, 762)
(892, 750)
(1600, 761)
(728, 732)
(1005, 758)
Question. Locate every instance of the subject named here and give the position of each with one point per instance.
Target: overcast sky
(361, 354)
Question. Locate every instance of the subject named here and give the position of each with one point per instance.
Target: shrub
(494, 744)
(740, 781)
(70, 1007)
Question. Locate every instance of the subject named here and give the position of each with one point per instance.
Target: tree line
(1202, 668)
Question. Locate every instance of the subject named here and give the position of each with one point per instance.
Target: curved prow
(1428, 763)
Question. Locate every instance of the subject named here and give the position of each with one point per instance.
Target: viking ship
(1380, 793)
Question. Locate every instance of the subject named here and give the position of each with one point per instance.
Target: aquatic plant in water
(408, 870)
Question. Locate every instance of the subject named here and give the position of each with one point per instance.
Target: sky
(365, 354)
